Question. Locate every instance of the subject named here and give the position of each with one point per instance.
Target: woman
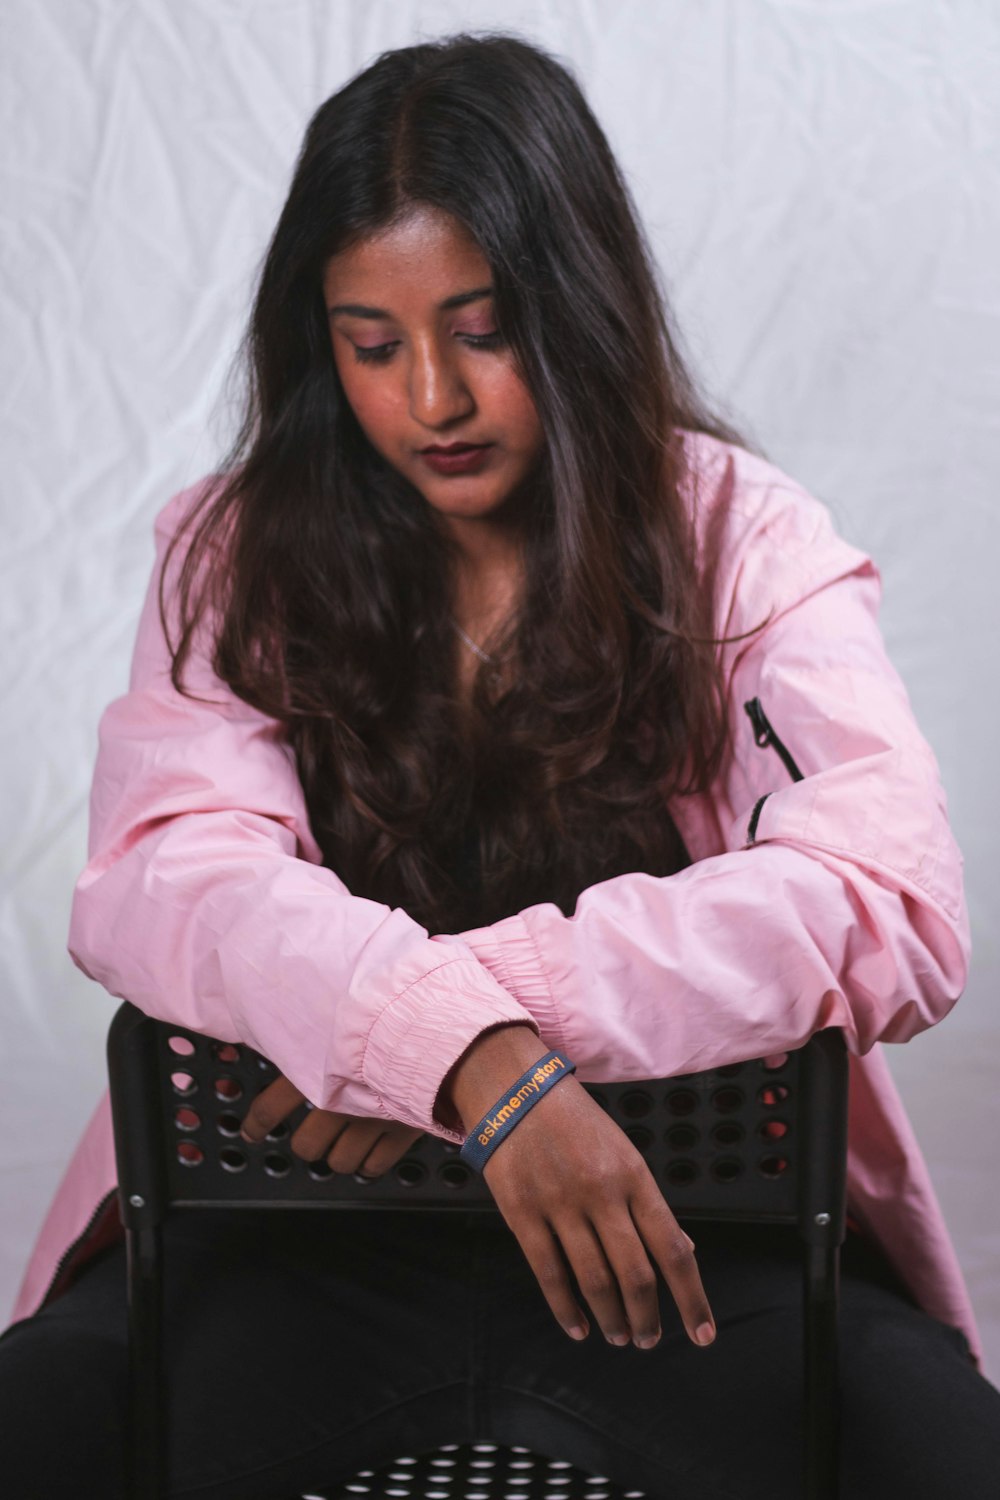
(434, 759)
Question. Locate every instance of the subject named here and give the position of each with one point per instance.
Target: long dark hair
(330, 582)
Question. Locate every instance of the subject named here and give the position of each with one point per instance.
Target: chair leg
(145, 1467)
(822, 1386)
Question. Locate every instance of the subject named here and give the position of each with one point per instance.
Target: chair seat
(475, 1471)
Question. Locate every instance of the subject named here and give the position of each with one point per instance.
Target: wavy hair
(330, 581)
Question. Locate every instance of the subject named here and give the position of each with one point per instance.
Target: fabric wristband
(484, 1138)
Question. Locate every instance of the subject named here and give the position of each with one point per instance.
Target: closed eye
(379, 353)
(373, 353)
(483, 340)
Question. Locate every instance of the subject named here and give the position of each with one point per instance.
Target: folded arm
(204, 902)
(846, 909)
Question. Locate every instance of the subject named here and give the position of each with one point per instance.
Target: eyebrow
(358, 309)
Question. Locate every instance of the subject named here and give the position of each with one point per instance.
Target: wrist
(485, 1069)
(518, 1099)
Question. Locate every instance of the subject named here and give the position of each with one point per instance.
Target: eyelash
(379, 353)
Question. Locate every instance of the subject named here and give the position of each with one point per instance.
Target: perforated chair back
(760, 1141)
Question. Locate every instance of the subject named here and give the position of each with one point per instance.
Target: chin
(452, 502)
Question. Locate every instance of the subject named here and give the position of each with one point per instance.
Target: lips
(454, 448)
(456, 458)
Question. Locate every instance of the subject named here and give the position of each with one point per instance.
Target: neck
(487, 583)
(488, 551)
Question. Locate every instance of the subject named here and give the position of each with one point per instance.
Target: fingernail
(576, 1332)
(647, 1342)
(705, 1333)
(618, 1339)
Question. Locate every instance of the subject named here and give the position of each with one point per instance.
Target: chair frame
(145, 1105)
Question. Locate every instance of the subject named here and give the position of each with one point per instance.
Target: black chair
(760, 1141)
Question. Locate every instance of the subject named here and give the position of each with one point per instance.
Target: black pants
(303, 1346)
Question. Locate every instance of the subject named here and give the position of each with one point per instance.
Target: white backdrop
(821, 183)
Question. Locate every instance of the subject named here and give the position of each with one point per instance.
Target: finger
(596, 1279)
(636, 1278)
(353, 1145)
(673, 1252)
(544, 1255)
(317, 1134)
(390, 1148)
(269, 1108)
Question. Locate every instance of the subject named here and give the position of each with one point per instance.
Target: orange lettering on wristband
(491, 1126)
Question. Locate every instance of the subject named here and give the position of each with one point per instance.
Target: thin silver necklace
(480, 653)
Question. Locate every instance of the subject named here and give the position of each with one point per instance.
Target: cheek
(371, 401)
(520, 414)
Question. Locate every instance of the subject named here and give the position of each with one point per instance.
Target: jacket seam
(853, 855)
(810, 581)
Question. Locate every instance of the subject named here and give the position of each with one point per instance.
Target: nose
(439, 395)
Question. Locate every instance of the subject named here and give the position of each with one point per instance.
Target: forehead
(428, 254)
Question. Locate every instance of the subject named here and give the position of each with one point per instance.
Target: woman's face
(421, 363)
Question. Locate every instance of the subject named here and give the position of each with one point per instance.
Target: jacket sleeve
(204, 902)
(843, 906)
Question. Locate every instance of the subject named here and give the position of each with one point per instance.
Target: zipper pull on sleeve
(764, 735)
(759, 720)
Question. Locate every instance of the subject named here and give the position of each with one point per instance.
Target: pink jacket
(204, 900)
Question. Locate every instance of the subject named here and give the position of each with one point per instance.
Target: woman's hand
(573, 1189)
(349, 1143)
